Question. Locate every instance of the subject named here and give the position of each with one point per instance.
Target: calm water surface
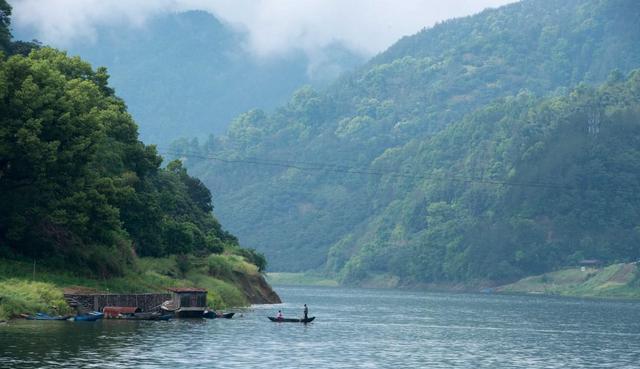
(354, 328)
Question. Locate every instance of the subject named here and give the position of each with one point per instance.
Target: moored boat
(291, 320)
(45, 316)
(114, 312)
(146, 316)
(88, 317)
(210, 314)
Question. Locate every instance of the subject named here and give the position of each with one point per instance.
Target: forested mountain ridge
(78, 190)
(383, 118)
(523, 186)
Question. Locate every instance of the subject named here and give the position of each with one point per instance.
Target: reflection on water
(354, 328)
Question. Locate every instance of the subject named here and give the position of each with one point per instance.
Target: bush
(25, 297)
(214, 244)
(254, 257)
(183, 263)
(219, 267)
(223, 294)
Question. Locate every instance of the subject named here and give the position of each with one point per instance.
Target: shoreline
(230, 282)
(613, 282)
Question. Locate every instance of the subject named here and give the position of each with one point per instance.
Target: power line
(343, 169)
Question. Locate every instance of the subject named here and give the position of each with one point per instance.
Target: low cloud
(273, 26)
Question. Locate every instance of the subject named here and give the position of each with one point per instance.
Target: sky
(273, 27)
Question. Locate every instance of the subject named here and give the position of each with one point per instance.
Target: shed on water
(187, 301)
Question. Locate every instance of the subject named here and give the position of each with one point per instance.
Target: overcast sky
(273, 26)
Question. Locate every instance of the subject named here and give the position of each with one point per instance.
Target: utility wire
(336, 168)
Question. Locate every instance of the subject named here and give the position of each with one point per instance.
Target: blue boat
(45, 316)
(89, 317)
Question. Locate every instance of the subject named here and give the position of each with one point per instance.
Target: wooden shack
(593, 263)
(186, 302)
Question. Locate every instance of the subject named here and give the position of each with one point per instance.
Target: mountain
(188, 74)
(370, 176)
(522, 186)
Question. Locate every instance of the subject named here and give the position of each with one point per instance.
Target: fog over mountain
(274, 26)
(187, 68)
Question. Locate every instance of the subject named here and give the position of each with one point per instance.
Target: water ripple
(354, 329)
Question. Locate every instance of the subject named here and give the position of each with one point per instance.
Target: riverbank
(300, 279)
(617, 281)
(614, 281)
(229, 279)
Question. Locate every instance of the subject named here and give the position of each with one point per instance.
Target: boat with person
(291, 320)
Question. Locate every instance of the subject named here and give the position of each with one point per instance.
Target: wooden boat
(147, 316)
(45, 316)
(291, 320)
(88, 317)
(115, 312)
(209, 314)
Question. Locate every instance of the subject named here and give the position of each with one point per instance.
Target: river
(354, 328)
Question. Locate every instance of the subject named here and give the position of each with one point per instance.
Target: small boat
(209, 314)
(45, 316)
(291, 320)
(146, 316)
(88, 317)
(114, 312)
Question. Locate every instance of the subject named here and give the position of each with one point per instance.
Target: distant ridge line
(337, 168)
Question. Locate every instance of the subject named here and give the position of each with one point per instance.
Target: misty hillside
(387, 117)
(212, 75)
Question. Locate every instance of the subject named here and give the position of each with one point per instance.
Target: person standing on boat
(279, 316)
(306, 312)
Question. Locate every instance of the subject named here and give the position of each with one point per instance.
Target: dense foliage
(77, 187)
(308, 205)
(520, 187)
(5, 21)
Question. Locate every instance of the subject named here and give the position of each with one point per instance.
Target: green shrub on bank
(219, 267)
(20, 297)
(24, 291)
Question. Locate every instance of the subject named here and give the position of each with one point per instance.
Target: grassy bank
(300, 279)
(23, 291)
(614, 281)
(19, 296)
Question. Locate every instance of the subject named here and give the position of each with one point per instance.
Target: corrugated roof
(186, 289)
